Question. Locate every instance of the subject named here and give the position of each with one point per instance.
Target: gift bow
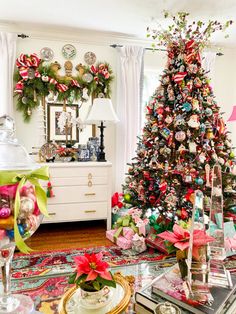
(122, 222)
(28, 61)
(153, 222)
(11, 177)
(24, 62)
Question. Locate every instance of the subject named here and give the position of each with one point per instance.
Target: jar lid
(13, 156)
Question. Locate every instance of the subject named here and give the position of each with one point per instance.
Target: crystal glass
(13, 157)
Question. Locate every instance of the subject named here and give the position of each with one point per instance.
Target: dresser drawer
(67, 181)
(77, 194)
(87, 172)
(76, 212)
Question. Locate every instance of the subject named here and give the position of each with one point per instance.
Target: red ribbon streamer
(178, 78)
(75, 83)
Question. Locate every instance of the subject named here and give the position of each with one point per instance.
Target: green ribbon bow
(159, 227)
(125, 221)
(11, 177)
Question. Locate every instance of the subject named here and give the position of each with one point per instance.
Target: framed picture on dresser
(54, 132)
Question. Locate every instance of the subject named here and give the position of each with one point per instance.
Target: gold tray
(118, 308)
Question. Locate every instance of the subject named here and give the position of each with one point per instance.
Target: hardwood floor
(69, 235)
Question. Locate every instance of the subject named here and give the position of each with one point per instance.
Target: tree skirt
(52, 269)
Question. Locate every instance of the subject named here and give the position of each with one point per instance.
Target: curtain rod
(117, 46)
(158, 49)
(23, 36)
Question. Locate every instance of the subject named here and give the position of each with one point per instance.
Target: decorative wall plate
(46, 54)
(69, 51)
(48, 151)
(90, 57)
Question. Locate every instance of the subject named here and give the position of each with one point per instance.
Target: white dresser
(82, 192)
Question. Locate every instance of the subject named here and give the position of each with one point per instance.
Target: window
(150, 83)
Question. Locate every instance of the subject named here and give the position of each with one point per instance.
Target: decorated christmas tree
(184, 135)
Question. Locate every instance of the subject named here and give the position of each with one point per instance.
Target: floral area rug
(44, 275)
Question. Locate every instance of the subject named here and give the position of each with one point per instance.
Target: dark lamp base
(101, 157)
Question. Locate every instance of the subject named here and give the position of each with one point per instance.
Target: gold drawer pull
(89, 194)
(90, 176)
(90, 184)
(52, 214)
(90, 211)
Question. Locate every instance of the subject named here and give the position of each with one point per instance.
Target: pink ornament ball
(33, 221)
(5, 212)
(2, 234)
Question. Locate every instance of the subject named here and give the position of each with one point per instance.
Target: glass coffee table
(52, 294)
(48, 289)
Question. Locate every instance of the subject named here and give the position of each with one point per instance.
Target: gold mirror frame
(116, 310)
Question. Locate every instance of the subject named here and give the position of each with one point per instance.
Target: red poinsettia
(93, 266)
(91, 273)
(180, 239)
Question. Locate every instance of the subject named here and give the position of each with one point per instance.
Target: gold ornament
(35, 96)
(55, 67)
(80, 68)
(68, 68)
(7, 223)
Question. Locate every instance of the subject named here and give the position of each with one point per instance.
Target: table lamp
(233, 114)
(101, 111)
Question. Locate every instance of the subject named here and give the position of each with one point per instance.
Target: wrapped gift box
(138, 243)
(110, 235)
(154, 241)
(126, 232)
(115, 216)
(124, 243)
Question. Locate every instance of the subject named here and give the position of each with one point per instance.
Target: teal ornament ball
(199, 181)
(233, 209)
(208, 112)
(202, 128)
(21, 229)
(187, 106)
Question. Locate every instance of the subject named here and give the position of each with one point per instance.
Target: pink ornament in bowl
(5, 212)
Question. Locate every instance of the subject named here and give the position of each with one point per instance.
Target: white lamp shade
(101, 110)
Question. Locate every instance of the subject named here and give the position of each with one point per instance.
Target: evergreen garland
(29, 89)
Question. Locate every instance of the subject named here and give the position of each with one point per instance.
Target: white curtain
(7, 61)
(129, 91)
(208, 64)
